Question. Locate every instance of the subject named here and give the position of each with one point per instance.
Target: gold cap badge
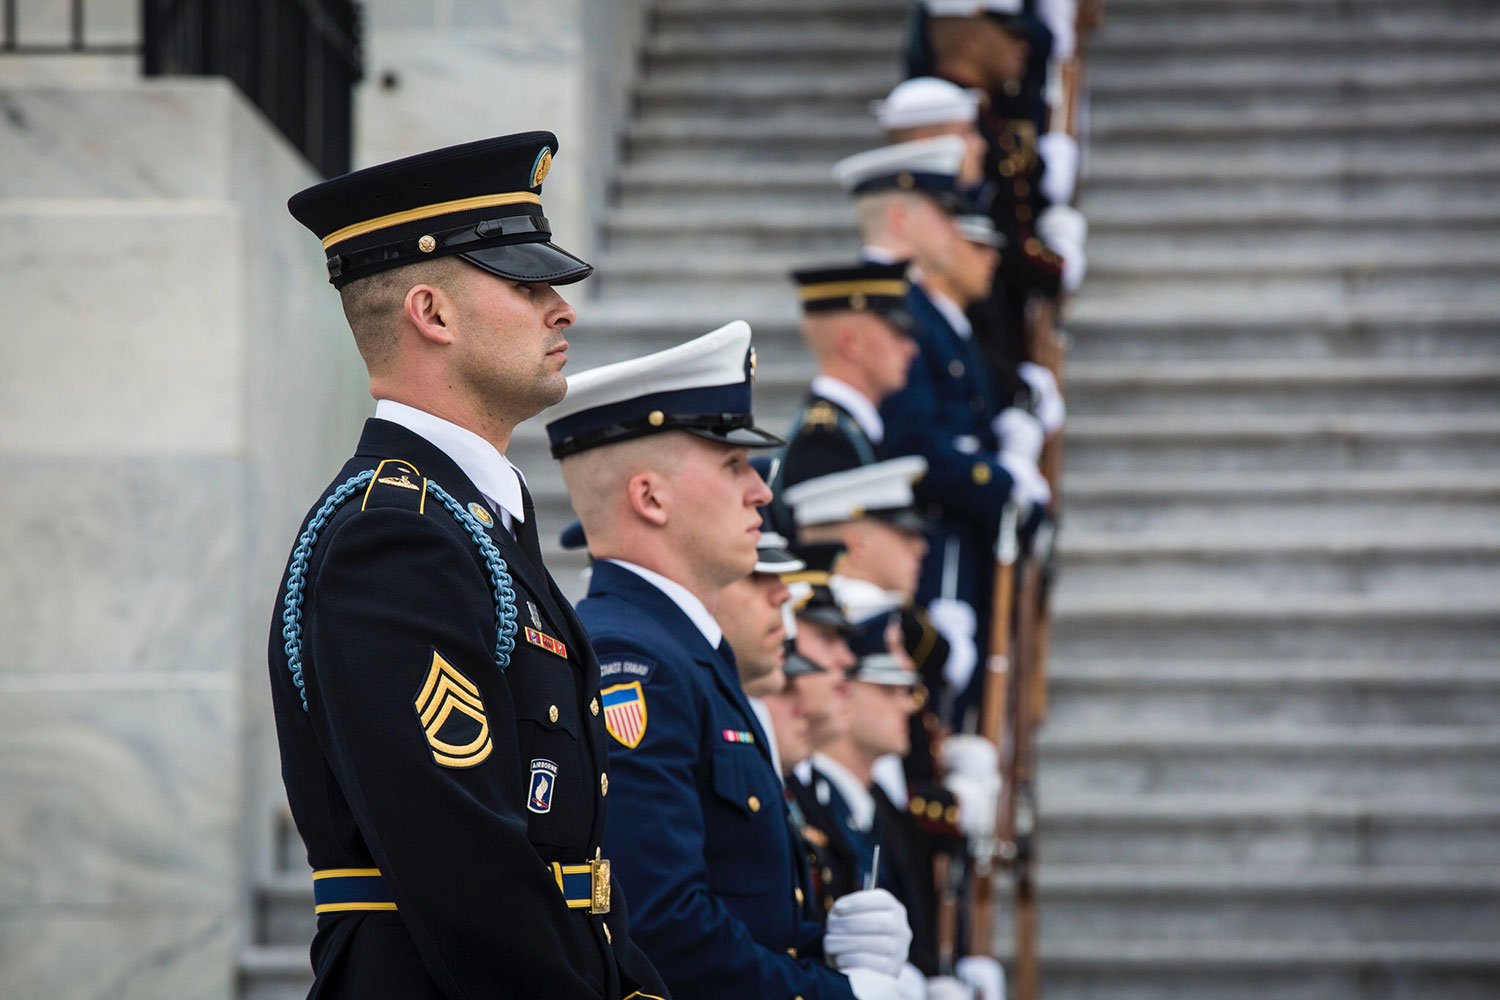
(543, 164)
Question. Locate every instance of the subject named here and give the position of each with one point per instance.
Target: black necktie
(526, 528)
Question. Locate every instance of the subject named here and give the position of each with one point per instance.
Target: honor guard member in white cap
(437, 702)
(655, 457)
(855, 320)
(927, 107)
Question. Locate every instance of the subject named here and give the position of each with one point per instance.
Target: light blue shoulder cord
(291, 615)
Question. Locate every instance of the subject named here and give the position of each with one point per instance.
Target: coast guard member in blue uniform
(655, 456)
(436, 699)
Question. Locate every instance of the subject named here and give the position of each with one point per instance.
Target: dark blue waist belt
(341, 890)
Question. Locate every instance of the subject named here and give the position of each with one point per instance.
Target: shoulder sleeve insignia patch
(625, 712)
(452, 716)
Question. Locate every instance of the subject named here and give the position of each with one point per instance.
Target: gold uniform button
(982, 474)
(934, 810)
(603, 784)
(797, 892)
(594, 706)
(918, 804)
(427, 244)
(656, 418)
(792, 952)
(956, 368)
(754, 803)
(552, 713)
(951, 814)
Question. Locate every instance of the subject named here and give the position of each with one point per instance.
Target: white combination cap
(972, 8)
(926, 165)
(926, 100)
(702, 387)
(882, 489)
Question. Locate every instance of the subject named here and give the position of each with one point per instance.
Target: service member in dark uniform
(437, 701)
(855, 321)
(655, 456)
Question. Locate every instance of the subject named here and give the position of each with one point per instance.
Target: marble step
(1292, 761)
(284, 909)
(1223, 562)
(1347, 163)
(1443, 330)
(1381, 504)
(1252, 970)
(1414, 385)
(275, 972)
(711, 24)
(775, 9)
(1272, 830)
(1456, 626)
(1290, 202)
(1412, 117)
(1352, 75)
(1429, 903)
(1291, 693)
(1374, 32)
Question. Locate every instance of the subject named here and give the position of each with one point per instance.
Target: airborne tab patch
(625, 712)
(452, 716)
(542, 639)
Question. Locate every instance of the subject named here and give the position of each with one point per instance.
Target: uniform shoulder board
(396, 483)
(821, 414)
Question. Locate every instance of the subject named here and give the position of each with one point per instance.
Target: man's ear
(645, 493)
(431, 312)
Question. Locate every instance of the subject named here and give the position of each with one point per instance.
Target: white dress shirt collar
(475, 457)
(683, 598)
(859, 406)
(856, 796)
(763, 716)
(951, 312)
(880, 255)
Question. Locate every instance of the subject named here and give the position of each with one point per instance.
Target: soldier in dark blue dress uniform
(654, 453)
(856, 323)
(436, 699)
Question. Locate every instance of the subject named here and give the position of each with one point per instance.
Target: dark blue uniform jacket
(698, 828)
(418, 757)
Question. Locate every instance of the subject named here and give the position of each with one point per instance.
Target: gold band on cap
(429, 211)
(895, 287)
(818, 578)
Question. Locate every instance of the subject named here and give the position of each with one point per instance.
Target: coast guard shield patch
(543, 783)
(625, 712)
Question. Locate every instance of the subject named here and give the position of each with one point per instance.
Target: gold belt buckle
(599, 883)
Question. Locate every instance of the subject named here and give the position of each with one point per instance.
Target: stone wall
(177, 384)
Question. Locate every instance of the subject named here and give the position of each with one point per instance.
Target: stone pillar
(177, 384)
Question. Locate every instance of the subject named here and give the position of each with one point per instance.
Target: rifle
(997, 695)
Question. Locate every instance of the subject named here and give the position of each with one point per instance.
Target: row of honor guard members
(655, 453)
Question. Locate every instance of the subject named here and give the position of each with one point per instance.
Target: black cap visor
(545, 263)
(822, 614)
(797, 665)
(903, 519)
(739, 437)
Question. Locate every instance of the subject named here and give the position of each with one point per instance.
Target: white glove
(955, 621)
(1046, 397)
(984, 974)
(970, 754)
(868, 984)
(947, 988)
(1075, 265)
(1030, 487)
(868, 930)
(911, 983)
(1019, 432)
(1062, 224)
(1059, 152)
(977, 796)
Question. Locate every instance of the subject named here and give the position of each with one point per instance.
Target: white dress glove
(955, 621)
(868, 984)
(1046, 398)
(984, 974)
(970, 754)
(977, 797)
(868, 930)
(911, 983)
(1064, 229)
(1059, 152)
(1019, 432)
(947, 988)
(1030, 487)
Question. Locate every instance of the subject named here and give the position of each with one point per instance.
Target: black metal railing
(297, 60)
(77, 38)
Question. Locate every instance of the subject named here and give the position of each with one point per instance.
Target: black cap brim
(777, 561)
(822, 614)
(903, 519)
(797, 665)
(739, 437)
(546, 263)
(899, 317)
